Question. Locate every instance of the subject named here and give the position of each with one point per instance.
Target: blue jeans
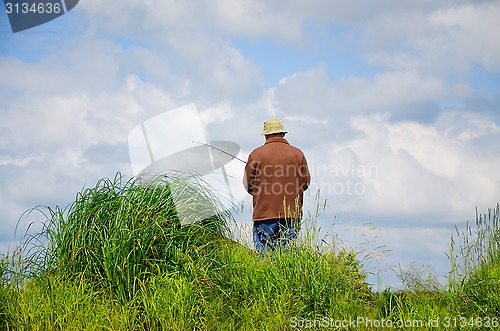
(274, 233)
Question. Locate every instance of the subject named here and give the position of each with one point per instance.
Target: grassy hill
(119, 258)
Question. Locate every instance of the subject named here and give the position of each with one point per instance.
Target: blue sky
(411, 89)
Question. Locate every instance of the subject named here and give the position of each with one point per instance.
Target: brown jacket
(276, 174)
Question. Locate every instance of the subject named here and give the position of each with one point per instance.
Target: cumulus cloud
(467, 35)
(386, 91)
(445, 38)
(421, 169)
(20, 161)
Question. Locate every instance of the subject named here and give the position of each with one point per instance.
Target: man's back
(276, 175)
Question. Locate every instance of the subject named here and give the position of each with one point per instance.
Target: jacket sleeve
(305, 174)
(248, 176)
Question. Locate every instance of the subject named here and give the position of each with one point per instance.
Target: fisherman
(276, 175)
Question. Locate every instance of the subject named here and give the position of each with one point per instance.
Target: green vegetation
(119, 258)
(476, 269)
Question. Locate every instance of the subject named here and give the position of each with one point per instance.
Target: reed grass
(476, 265)
(120, 258)
(119, 232)
(4, 288)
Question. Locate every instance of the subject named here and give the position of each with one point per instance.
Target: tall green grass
(4, 285)
(121, 243)
(471, 299)
(119, 232)
(480, 245)
(242, 293)
(119, 258)
(475, 256)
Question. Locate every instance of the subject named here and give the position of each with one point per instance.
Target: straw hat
(273, 125)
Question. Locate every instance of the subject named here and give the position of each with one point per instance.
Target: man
(276, 175)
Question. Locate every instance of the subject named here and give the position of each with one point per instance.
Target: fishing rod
(220, 150)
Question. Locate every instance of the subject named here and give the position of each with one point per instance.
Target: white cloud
(453, 37)
(217, 113)
(43, 124)
(421, 170)
(466, 126)
(258, 19)
(20, 161)
(466, 34)
(312, 93)
(177, 23)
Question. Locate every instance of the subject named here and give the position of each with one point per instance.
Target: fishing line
(220, 150)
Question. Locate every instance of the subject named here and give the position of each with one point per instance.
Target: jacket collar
(276, 140)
